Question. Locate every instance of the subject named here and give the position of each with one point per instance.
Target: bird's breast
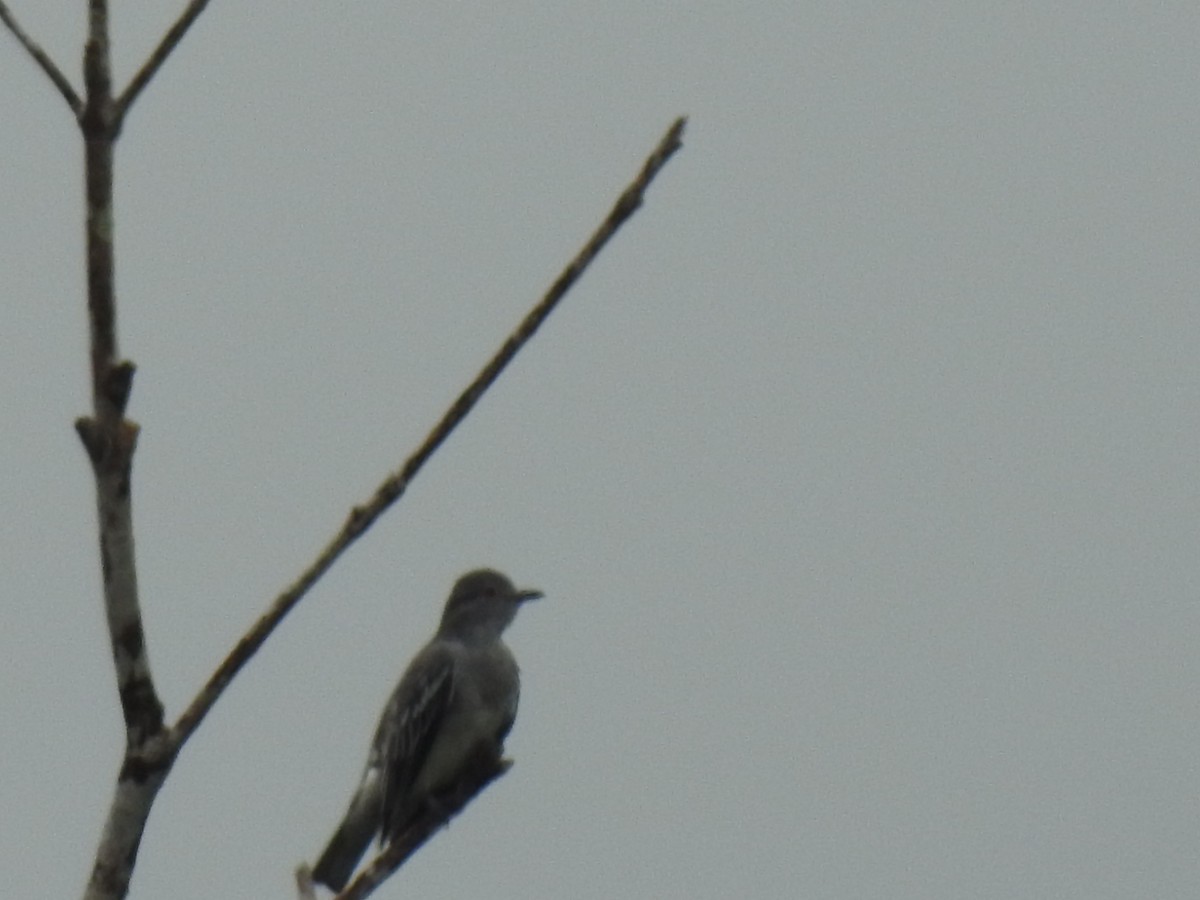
(486, 690)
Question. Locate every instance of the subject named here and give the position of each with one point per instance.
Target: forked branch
(110, 440)
(393, 487)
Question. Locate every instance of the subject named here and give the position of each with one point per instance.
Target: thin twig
(169, 42)
(42, 59)
(393, 487)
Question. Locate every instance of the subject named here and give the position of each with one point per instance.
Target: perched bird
(457, 697)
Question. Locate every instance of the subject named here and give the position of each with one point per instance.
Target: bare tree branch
(169, 42)
(393, 487)
(42, 59)
(142, 775)
(110, 440)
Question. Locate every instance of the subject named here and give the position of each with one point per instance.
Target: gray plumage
(457, 696)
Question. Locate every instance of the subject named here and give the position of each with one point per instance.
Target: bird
(457, 698)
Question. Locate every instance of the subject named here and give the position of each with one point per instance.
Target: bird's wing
(407, 730)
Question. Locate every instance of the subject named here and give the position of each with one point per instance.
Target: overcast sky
(860, 472)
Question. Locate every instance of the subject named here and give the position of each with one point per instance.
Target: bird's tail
(351, 839)
(341, 855)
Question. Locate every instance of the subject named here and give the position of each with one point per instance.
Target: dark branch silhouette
(42, 59)
(393, 487)
(169, 42)
(110, 441)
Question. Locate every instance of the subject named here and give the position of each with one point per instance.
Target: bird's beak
(524, 595)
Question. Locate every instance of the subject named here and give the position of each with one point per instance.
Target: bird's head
(482, 604)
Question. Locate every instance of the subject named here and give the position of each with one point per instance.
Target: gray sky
(860, 472)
